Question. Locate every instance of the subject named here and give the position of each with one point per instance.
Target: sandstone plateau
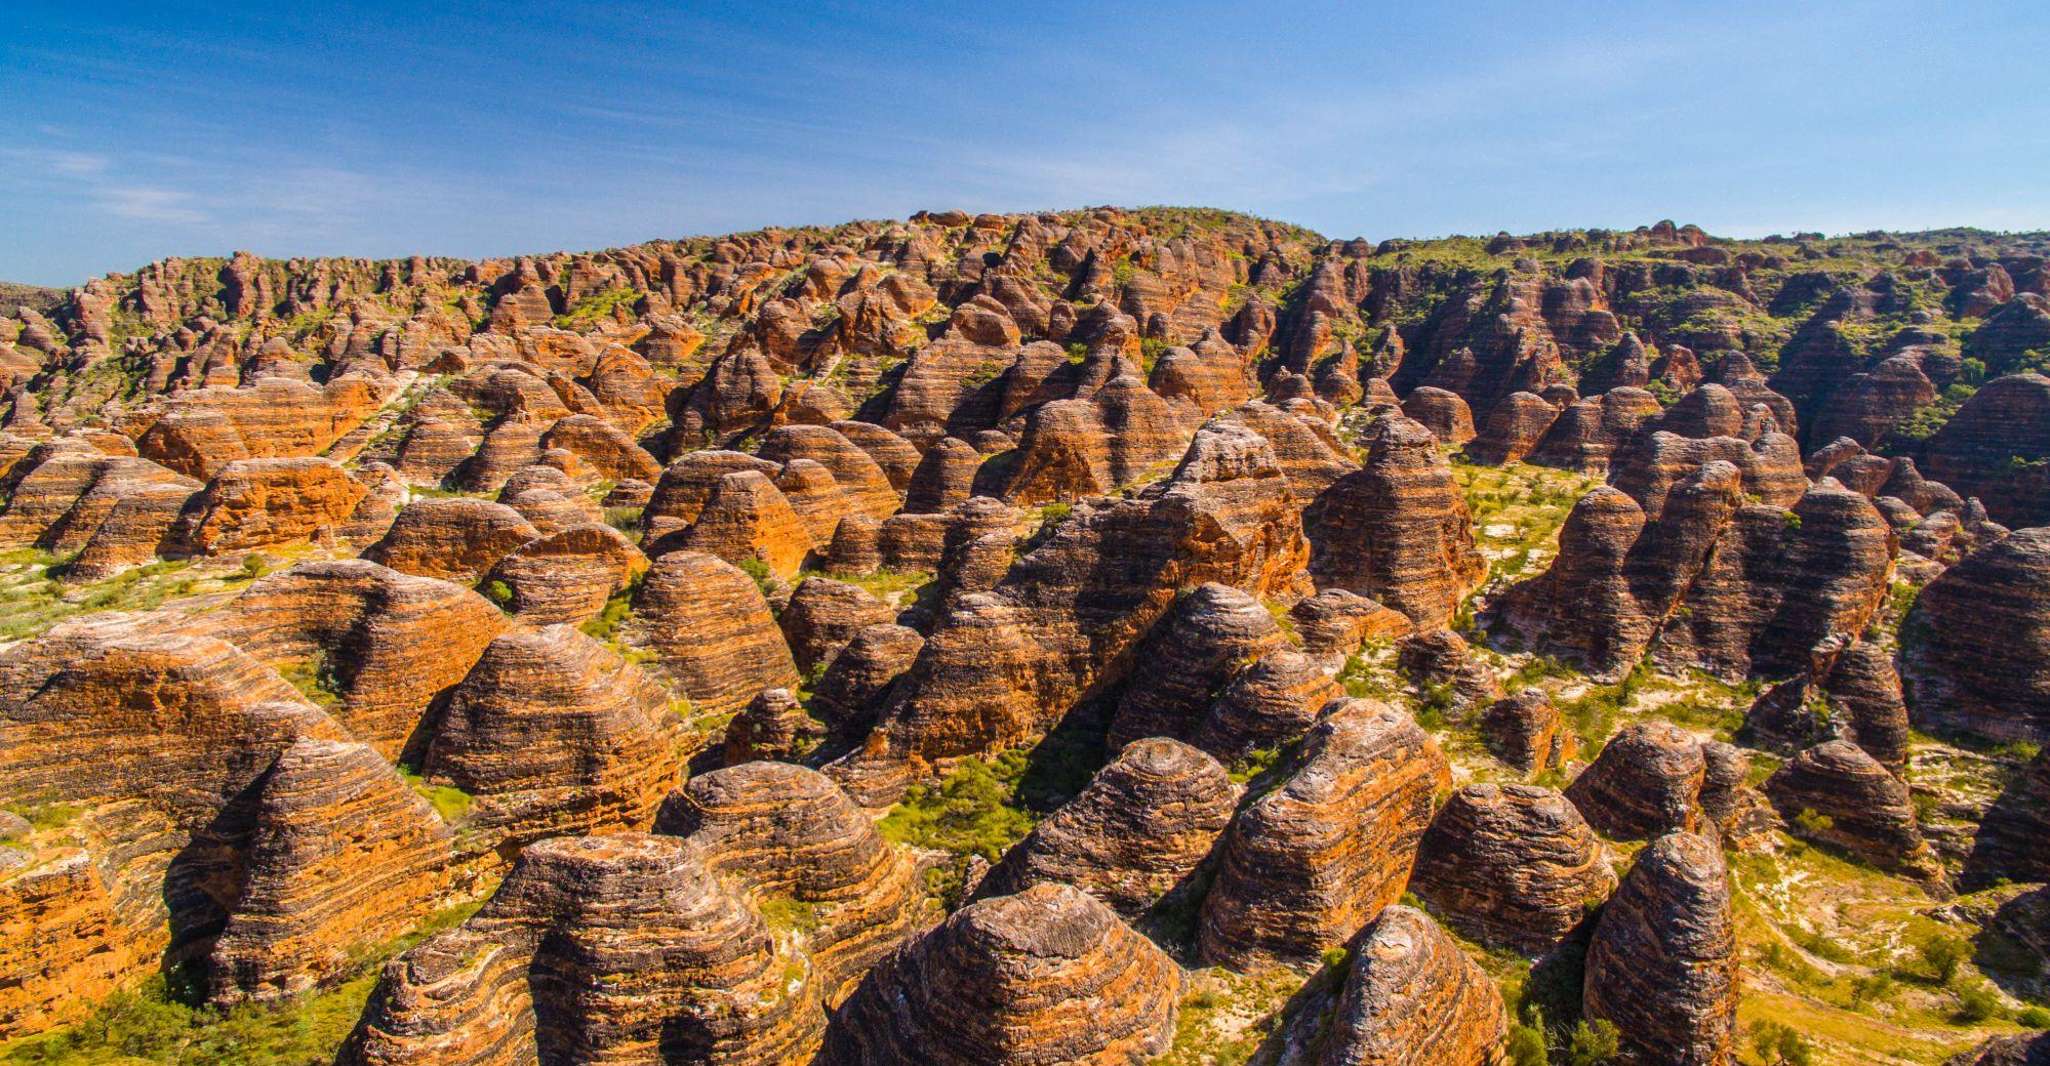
(1101, 636)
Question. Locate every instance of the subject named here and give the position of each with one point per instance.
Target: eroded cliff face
(1070, 637)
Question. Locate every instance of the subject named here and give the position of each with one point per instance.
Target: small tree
(1593, 1043)
(1943, 955)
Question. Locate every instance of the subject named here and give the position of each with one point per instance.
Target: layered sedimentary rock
(1046, 975)
(1513, 429)
(1335, 622)
(604, 948)
(1994, 446)
(164, 736)
(554, 733)
(1512, 866)
(773, 725)
(789, 834)
(1265, 705)
(852, 689)
(1308, 864)
(1587, 434)
(343, 856)
(1441, 412)
(451, 538)
(823, 615)
(2021, 1049)
(1412, 997)
(945, 476)
(680, 493)
(1712, 582)
(1526, 732)
(1442, 664)
(711, 628)
(867, 486)
(2011, 837)
(1662, 967)
(1138, 831)
(1836, 793)
(1646, 782)
(980, 682)
(382, 643)
(200, 432)
(1398, 530)
(1769, 467)
(566, 577)
(747, 519)
(1850, 690)
(254, 503)
(1976, 647)
(1204, 639)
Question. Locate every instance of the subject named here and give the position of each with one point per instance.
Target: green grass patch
(452, 803)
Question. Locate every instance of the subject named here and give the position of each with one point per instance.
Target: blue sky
(134, 131)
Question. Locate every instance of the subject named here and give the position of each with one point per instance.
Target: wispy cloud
(150, 203)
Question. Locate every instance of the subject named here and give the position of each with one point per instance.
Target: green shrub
(1872, 988)
(500, 593)
(2034, 1017)
(452, 803)
(1594, 1042)
(254, 566)
(1976, 1003)
(1942, 955)
(972, 811)
(1527, 1045)
(1812, 823)
(764, 578)
(1779, 1043)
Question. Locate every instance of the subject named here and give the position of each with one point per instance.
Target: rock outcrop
(1412, 997)
(1512, 866)
(1047, 975)
(451, 538)
(380, 644)
(343, 854)
(1645, 783)
(1137, 833)
(712, 631)
(1306, 865)
(554, 733)
(1976, 648)
(1837, 794)
(1662, 967)
(980, 683)
(1398, 530)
